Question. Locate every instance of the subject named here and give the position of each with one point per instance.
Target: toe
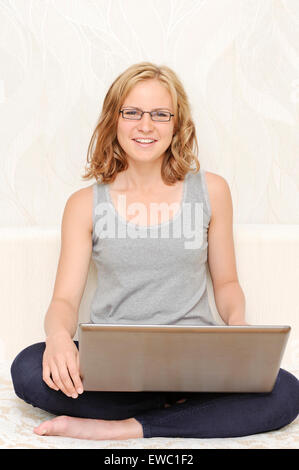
(40, 430)
(52, 427)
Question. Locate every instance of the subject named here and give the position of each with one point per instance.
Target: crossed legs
(125, 415)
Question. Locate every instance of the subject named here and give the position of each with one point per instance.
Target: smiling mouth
(144, 144)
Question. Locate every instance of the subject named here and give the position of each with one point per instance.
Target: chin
(145, 158)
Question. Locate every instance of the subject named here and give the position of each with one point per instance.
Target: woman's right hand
(61, 365)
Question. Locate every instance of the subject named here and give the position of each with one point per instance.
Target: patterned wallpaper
(238, 61)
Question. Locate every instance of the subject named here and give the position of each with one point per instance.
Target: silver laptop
(177, 358)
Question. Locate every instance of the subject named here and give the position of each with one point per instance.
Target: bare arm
(228, 294)
(61, 317)
(61, 359)
(72, 271)
(230, 301)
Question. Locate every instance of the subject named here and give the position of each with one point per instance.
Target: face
(147, 95)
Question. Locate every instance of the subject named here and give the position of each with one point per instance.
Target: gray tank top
(153, 274)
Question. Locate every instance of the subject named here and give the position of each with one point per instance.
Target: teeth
(144, 141)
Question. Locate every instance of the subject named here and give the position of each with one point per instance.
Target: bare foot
(96, 429)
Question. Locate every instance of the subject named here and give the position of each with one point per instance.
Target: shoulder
(219, 193)
(81, 197)
(81, 203)
(216, 183)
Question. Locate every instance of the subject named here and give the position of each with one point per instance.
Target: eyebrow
(155, 109)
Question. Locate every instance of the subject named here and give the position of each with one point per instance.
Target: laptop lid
(180, 358)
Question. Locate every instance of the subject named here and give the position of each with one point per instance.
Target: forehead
(149, 94)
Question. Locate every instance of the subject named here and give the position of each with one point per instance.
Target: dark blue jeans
(202, 415)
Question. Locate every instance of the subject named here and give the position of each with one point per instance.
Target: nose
(145, 123)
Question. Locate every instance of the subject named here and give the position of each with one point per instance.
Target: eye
(162, 113)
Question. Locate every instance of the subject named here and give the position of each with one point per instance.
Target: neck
(141, 177)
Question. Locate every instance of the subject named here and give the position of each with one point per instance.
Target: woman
(142, 151)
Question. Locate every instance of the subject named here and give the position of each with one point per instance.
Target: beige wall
(238, 60)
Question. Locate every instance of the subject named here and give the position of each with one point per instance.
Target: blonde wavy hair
(105, 157)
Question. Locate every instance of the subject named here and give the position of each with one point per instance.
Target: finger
(47, 378)
(72, 366)
(78, 365)
(57, 380)
(80, 374)
(66, 380)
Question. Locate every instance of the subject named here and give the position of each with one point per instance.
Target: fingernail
(74, 395)
(80, 390)
(43, 432)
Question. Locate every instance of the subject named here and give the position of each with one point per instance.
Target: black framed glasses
(136, 114)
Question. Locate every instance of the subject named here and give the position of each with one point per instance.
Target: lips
(150, 138)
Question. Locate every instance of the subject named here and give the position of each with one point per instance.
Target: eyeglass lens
(137, 114)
